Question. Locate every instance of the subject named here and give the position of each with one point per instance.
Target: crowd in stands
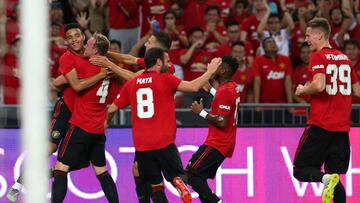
(266, 37)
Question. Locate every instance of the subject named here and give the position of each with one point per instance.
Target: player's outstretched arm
(122, 58)
(215, 120)
(79, 85)
(196, 84)
(106, 63)
(60, 81)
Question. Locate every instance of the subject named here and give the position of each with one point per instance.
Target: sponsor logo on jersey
(275, 75)
(224, 107)
(240, 88)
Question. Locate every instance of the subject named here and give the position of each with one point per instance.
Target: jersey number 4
(145, 102)
(343, 73)
(103, 91)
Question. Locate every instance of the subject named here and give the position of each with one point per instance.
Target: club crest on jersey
(282, 65)
(205, 59)
(243, 78)
(55, 134)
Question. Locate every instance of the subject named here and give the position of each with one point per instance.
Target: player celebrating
(62, 110)
(151, 96)
(156, 40)
(326, 138)
(220, 142)
(85, 138)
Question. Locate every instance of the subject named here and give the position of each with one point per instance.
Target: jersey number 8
(145, 103)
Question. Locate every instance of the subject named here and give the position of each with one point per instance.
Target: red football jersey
(250, 26)
(244, 79)
(300, 77)
(225, 49)
(272, 75)
(153, 9)
(330, 109)
(66, 64)
(357, 71)
(151, 96)
(11, 80)
(91, 104)
(117, 18)
(225, 103)
(197, 65)
(141, 62)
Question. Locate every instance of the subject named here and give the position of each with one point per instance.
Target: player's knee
(158, 187)
(61, 167)
(135, 169)
(100, 170)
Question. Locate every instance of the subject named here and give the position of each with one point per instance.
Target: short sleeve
(289, 68)
(316, 64)
(224, 100)
(354, 77)
(256, 67)
(141, 62)
(66, 64)
(123, 100)
(172, 81)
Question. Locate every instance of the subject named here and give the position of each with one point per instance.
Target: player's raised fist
(299, 90)
(197, 107)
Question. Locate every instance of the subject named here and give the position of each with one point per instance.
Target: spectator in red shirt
(152, 9)
(249, 26)
(340, 25)
(124, 22)
(303, 14)
(194, 61)
(233, 34)
(239, 11)
(272, 75)
(244, 74)
(195, 9)
(351, 49)
(179, 12)
(177, 34)
(301, 73)
(12, 26)
(12, 73)
(281, 35)
(214, 30)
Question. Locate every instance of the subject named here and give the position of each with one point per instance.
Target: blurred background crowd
(266, 37)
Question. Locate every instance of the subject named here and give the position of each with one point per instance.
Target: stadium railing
(250, 115)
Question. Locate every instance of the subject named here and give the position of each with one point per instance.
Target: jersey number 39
(343, 73)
